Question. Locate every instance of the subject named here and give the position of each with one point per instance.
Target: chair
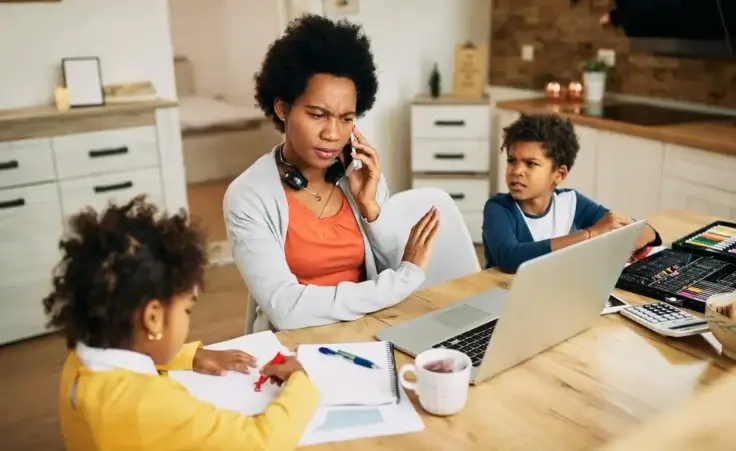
(454, 254)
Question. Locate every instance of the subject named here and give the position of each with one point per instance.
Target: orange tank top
(325, 251)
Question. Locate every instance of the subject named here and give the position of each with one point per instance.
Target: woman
(308, 239)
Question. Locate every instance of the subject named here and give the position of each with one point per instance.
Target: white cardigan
(257, 217)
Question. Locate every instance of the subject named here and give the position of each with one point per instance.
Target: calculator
(666, 319)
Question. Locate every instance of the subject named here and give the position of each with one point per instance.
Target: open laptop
(552, 298)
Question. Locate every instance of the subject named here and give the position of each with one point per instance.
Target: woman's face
(319, 123)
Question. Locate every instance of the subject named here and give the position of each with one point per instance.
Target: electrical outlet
(527, 53)
(608, 56)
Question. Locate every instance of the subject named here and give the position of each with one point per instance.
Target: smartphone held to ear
(350, 163)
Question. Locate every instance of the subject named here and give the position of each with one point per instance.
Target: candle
(62, 98)
(575, 91)
(553, 90)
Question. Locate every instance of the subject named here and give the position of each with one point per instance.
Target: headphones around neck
(296, 180)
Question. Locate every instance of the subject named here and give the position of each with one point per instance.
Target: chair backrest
(454, 254)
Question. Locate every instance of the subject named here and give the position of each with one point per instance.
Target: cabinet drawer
(470, 194)
(450, 121)
(441, 155)
(98, 191)
(26, 161)
(30, 226)
(700, 167)
(105, 151)
(21, 305)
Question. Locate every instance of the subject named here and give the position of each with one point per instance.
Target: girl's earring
(155, 337)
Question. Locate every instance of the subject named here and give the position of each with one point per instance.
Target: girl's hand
(208, 361)
(364, 182)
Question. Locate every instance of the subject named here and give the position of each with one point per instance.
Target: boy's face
(530, 173)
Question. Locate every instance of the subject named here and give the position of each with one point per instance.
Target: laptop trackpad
(460, 316)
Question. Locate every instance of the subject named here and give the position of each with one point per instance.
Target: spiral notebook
(343, 383)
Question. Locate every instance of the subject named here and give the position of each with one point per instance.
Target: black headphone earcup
(295, 179)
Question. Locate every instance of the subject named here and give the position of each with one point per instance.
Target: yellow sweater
(119, 402)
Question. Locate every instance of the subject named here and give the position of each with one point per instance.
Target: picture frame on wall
(82, 78)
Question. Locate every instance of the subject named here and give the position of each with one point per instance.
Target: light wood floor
(29, 370)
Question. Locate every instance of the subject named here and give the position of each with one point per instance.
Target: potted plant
(594, 79)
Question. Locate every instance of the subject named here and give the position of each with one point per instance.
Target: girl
(122, 295)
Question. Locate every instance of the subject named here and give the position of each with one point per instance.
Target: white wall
(197, 32)
(407, 37)
(225, 40)
(130, 37)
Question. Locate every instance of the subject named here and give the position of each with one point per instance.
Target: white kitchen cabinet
(629, 174)
(450, 150)
(582, 175)
(72, 165)
(681, 195)
(699, 181)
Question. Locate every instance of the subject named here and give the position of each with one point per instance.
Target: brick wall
(564, 35)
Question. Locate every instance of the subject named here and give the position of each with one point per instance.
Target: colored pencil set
(717, 238)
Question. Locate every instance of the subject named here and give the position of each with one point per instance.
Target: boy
(536, 217)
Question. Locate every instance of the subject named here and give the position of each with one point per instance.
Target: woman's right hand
(421, 239)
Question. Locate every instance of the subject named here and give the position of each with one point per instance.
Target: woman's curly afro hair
(315, 45)
(556, 134)
(114, 263)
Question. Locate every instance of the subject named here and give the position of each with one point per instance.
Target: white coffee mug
(439, 393)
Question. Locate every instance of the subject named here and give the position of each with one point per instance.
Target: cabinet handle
(449, 156)
(108, 152)
(7, 165)
(15, 203)
(115, 187)
(440, 123)
(457, 196)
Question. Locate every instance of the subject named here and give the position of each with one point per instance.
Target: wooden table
(579, 395)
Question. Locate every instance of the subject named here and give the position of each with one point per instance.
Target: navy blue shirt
(511, 237)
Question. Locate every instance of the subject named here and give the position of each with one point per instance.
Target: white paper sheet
(234, 391)
(341, 382)
(339, 424)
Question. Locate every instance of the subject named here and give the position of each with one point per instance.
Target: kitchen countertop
(714, 136)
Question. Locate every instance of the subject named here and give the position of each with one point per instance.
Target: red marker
(278, 359)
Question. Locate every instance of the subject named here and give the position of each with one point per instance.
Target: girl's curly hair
(114, 263)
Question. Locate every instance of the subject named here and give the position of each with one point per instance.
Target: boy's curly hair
(114, 263)
(556, 134)
(312, 45)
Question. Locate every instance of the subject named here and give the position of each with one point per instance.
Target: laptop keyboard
(473, 342)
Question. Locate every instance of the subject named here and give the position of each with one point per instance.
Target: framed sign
(471, 62)
(83, 81)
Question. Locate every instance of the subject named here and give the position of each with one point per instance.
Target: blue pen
(348, 356)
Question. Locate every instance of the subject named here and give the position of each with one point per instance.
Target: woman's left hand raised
(364, 182)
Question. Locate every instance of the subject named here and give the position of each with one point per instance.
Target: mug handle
(405, 383)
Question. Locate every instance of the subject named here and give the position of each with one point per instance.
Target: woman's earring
(155, 337)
